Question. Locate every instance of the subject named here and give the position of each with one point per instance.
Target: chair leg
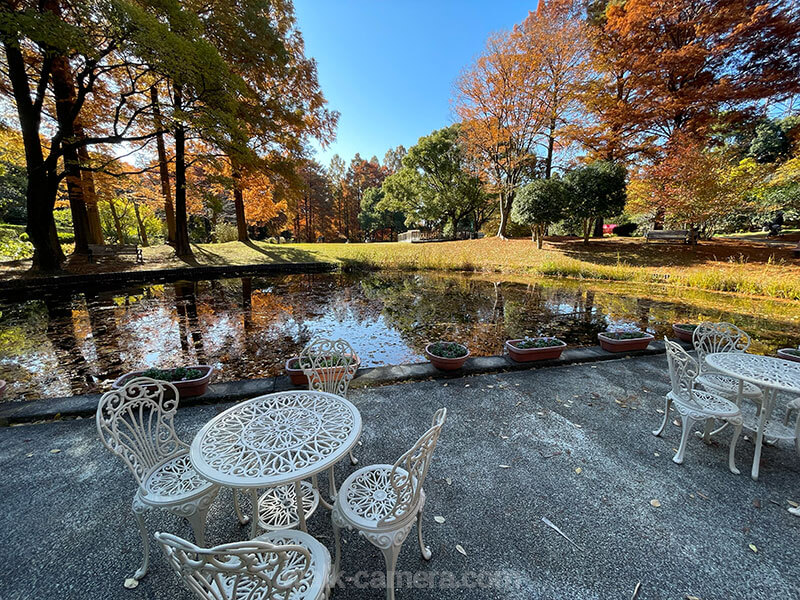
(243, 519)
(337, 545)
(732, 452)
(426, 551)
(138, 511)
(390, 557)
(688, 424)
(195, 512)
(660, 430)
(353, 459)
(332, 484)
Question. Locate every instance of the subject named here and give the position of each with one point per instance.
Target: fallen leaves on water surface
(460, 549)
(655, 503)
(439, 519)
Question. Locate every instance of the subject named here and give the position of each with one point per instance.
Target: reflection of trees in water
(191, 335)
(101, 309)
(61, 333)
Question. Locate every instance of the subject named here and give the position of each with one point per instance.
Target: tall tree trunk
(551, 141)
(89, 193)
(163, 167)
(182, 247)
(587, 229)
(117, 222)
(64, 92)
(142, 231)
(238, 204)
(42, 187)
(506, 199)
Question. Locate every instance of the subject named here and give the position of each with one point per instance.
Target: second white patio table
(773, 375)
(274, 440)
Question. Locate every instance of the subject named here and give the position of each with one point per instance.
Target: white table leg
(254, 519)
(301, 513)
(763, 417)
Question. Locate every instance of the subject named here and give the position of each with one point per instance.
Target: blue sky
(389, 67)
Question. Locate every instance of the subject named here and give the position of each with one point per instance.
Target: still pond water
(60, 345)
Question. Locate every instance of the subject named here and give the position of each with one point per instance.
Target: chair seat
(775, 430)
(317, 580)
(710, 404)
(173, 480)
(367, 496)
(722, 384)
(277, 507)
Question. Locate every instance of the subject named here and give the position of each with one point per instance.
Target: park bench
(667, 234)
(97, 250)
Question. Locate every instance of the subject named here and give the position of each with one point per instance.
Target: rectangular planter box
(611, 345)
(188, 388)
(532, 354)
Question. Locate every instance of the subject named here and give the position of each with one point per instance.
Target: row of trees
(94, 80)
(181, 108)
(660, 86)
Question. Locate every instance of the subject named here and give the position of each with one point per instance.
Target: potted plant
(624, 341)
(787, 353)
(537, 348)
(189, 381)
(296, 371)
(447, 356)
(684, 331)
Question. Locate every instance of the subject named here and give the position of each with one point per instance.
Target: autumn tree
(361, 175)
(393, 159)
(690, 58)
(501, 120)
(376, 218)
(688, 187)
(556, 35)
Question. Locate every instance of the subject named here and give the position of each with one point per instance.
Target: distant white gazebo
(409, 236)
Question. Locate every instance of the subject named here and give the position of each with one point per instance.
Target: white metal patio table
(274, 440)
(774, 375)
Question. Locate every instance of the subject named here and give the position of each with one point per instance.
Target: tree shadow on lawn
(276, 254)
(636, 252)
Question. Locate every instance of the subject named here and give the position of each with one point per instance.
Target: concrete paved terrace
(571, 444)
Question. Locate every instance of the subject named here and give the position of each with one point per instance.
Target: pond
(60, 345)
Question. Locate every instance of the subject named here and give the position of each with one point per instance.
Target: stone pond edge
(230, 391)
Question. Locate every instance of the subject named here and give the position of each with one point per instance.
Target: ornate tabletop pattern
(764, 371)
(276, 439)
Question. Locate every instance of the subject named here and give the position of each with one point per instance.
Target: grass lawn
(721, 265)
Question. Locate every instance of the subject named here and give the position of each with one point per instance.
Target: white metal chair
(135, 422)
(695, 405)
(722, 337)
(329, 366)
(288, 564)
(382, 501)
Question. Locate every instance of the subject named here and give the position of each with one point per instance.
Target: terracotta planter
(299, 378)
(188, 388)
(782, 353)
(532, 354)
(2, 388)
(685, 335)
(446, 364)
(611, 345)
